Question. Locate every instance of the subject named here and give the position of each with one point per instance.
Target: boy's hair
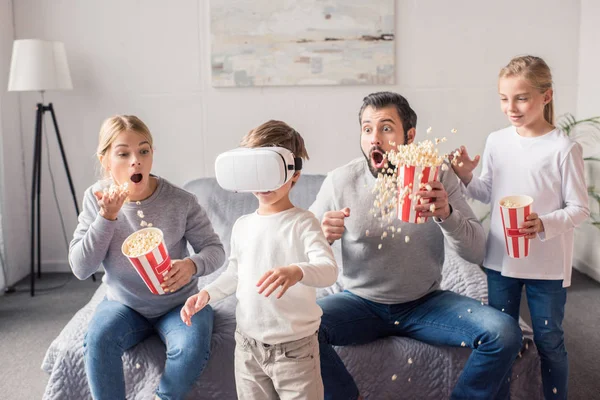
(276, 133)
(384, 99)
(537, 73)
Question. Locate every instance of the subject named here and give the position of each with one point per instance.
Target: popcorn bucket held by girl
(513, 212)
(147, 252)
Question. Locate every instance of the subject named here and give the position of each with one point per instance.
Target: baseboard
(586, 269)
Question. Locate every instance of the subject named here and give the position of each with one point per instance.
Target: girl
(130, 312)
(532, 157)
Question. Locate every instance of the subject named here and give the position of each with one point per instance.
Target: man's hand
(333, 224)
(532, 226)
(192, 305)
(180, 275)
(463, 166)
(438, 207)
(280, 276)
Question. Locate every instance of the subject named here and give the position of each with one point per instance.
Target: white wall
(15, 222)
(152, 59)
(587, 248)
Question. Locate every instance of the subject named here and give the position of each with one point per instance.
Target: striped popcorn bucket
(409, 182)
(154, 264)
(513, 216)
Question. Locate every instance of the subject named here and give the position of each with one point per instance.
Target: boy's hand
(192, 305)
(463, 166)
(333, 224)
(111, 203)
(280, 276)
(532, 226)
(179, 275)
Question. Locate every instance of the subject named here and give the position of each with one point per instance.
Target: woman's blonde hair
(112, 127)
(537, 73)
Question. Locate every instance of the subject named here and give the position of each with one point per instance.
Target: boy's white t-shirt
(260, 243)
(549, 169)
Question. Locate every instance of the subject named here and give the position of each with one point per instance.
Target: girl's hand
(192, 305)
(180, 275)
(532, 226)
(463, 165)
(111, 203)
(280, 276)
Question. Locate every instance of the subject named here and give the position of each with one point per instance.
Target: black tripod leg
(64, 157)
(65, 163)
(34, 186)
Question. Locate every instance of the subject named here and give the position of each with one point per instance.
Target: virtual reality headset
(259, 169)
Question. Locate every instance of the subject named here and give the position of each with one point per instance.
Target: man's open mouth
(136, 178)
(377, 158)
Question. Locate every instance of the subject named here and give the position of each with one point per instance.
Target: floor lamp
(39, 65)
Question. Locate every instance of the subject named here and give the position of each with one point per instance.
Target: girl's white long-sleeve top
(262, 242)
(549, 169)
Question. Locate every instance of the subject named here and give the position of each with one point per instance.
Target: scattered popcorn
(460, 164)
(460, 316)
(394, 377)
(432, 207)
(429, 130)
(137, 366)
(379, 247)
(428, 187)
(469, 310)
(453, 130)
(410, 361)
(546, 322)
(392, 143)
(526, 346)
(406, 239)
(479, 343)
(520, 355)
(554, 391)
(463, 344)
(139, 203)
(444, 167)
(143, 223)
(367, 232)
(384, 235)
(396, 323)
(503, 310)
(409, 379)
(142, 243)
(150, 225)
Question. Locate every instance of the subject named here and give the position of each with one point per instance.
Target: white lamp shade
(39, 65)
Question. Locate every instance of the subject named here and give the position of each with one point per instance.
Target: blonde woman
(130, 312)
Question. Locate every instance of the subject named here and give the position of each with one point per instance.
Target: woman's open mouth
(136, 178)
(377, 158)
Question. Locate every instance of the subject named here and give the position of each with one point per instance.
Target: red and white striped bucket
(153, 265)
(412, 178)
(517, 246)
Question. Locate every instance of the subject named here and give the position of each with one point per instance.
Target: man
(394, 291)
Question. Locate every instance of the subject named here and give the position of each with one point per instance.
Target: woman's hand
(179, 275)
(111, 203)
(463, 165)
(532, 226)
(192, 305)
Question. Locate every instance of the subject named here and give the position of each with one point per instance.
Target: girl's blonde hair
(537, 73)
(112, 127)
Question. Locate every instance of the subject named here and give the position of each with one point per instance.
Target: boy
(277, 247)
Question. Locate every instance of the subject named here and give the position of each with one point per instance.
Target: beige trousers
(286, 371)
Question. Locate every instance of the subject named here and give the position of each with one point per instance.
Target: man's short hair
(384, 99)
(276, 133)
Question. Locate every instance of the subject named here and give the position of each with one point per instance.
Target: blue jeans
(350, 320)
(115, 328)
(546, 300)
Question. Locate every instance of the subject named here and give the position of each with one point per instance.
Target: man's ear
(411, 135)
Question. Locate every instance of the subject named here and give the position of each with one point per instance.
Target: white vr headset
(259, 169)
